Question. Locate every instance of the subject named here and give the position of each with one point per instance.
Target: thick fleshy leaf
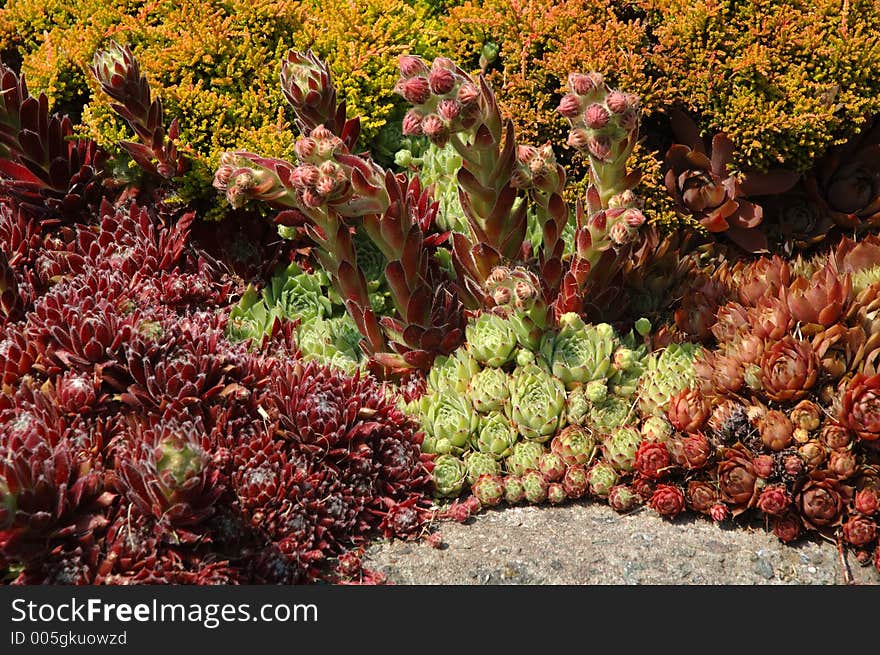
(769, 183)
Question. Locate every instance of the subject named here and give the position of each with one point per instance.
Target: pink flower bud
(412, 123)
(763, 465)
(416, 90)
(305, 148)
(599, 147)
(411, 66)
(616, 102)
(449, 109)
(468, 94)
(596, 116)
(619, 233)
(525, 153)
(435, 129)
(222, 175)
(524, 291)
(325, 186)
(569, 106)
(578, 138)
(501, 295)
(633, 217)
(442, 63)
(719, 513)
(328, 168)
(498, 275)
(308, 174)
(441, 81)
(629, 119)
(321, 133)
(520, 179)
(584, 84)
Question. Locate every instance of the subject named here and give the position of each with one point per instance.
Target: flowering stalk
(450, 107)
(544, 180)
(308, 87)
(118, 72)
(604, 127)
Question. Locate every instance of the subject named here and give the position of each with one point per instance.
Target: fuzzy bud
(411, 66)
(412, 123)
(806, 415)
(441, 81)
(569, 106)
(467, 94)
(578, 138)
(584, 84)
(305, 148)
(619, 233)
(842, 463)
(813, 453)
(617, 102)
(596, 117)
(435, 129)
(416, 90)
(835, 436)
(599, 147)
(449, 109)
(776, 431)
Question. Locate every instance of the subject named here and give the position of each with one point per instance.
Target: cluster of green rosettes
(551, 420)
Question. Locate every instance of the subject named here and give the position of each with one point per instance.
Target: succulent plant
(667, 373)
(667, 500)
(602, 477)
(556, 493)
(611, 414)
(788, 369)
(701, 185)
(657, 429)
(575, 445)
(860, 406)
(453, 372)
(489, 489)
(450, 475)
(575, 481)
(577, 406)
(620, 448)
(537, 403)
(513, 489)
(333, 342)
(488, 390)
(535, 486)
(518, 295)
(652, 460)
(579, 353)
(478, 464)
(623, 499)
(551, 466)
(495, 435)
(491, 340)
(525, 456)
(449, 422)
(688, 410)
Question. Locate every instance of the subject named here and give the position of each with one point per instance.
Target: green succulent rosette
(488, 390)
(370, 260)
(450, 475)
(453, 373)
(439, 166)
(628, 365)
(294, 294)
(490, 339)
(575, 445)
(620, 448)
(667, 372)
(577, 406)
(579, 353)
(602, 477)
(495, 436)
(332, 341)
(448, 420)
(537, 403)
(478, 464)
(250, 319)
(525, 456)
(611, 414)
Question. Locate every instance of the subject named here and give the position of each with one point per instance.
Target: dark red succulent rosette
(787, 527)
(789, 369)
(652, 460)
(845, 185)
(860, 531)
(702, 185)
(737, 479)
(860, 406)
(701, 496)
(822, 500)
(667, 500)
(774, 500)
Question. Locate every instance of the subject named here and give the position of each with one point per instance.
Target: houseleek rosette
(450, 475)
(488, 390)
(449, 422)
(496, 436)
(491, 340)
(579, 353)
(537, 403)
